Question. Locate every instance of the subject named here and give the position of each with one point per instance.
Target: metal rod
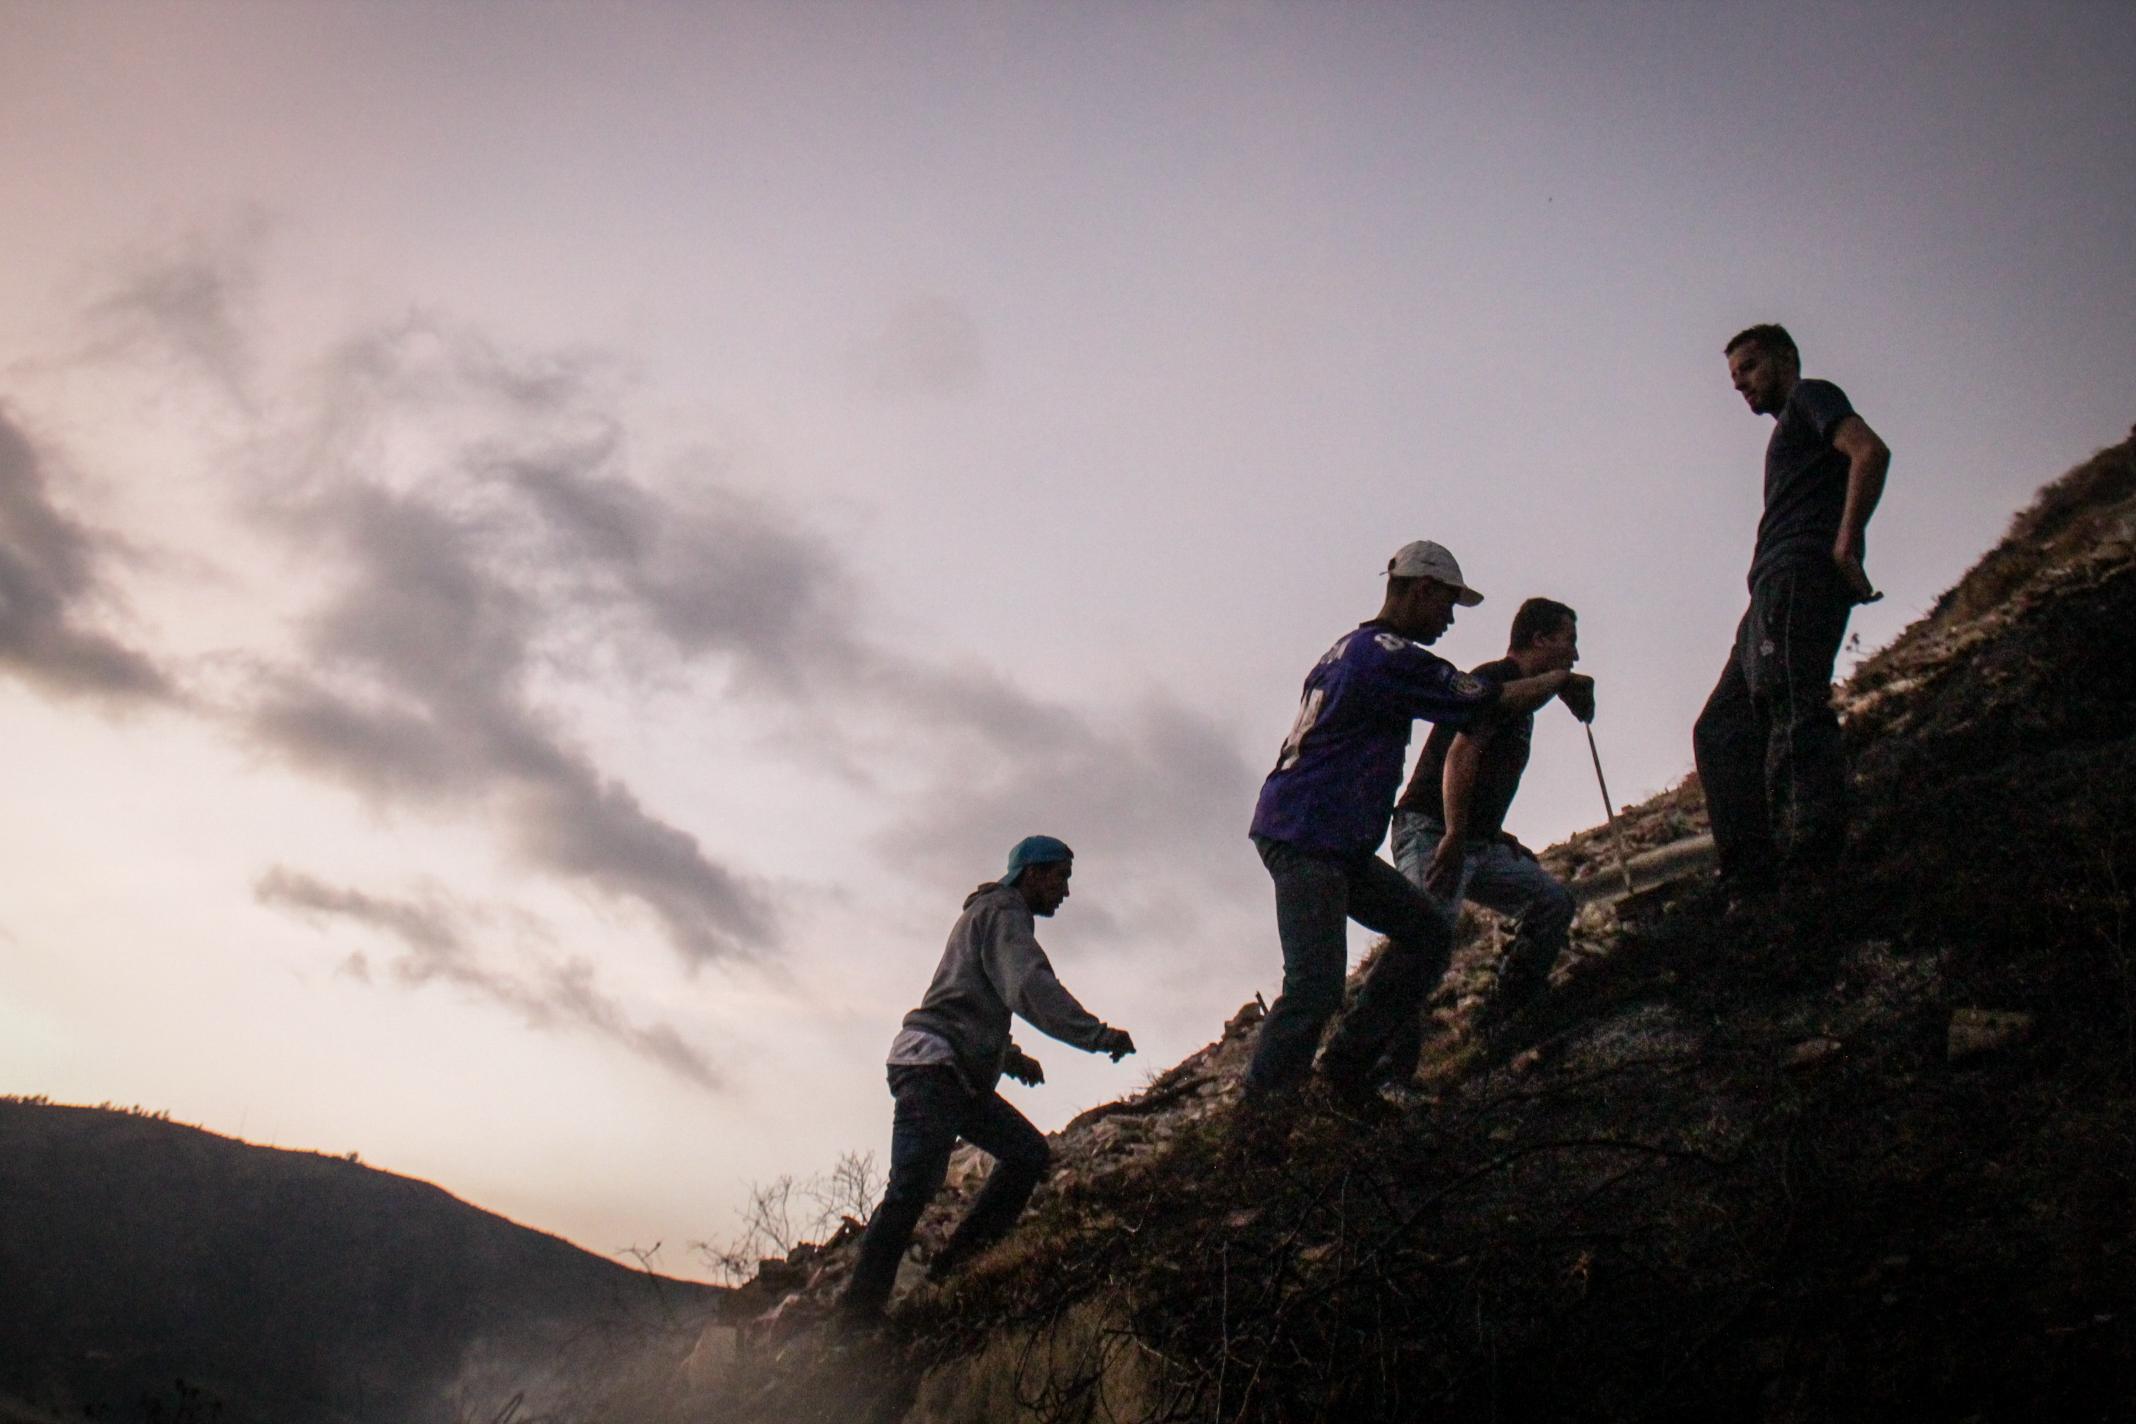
(1624, 866)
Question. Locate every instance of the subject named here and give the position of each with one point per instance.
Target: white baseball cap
(1424, 559)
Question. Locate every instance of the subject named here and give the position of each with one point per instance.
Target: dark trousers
(1767, 743)
(934, 1109)
(1315, 896)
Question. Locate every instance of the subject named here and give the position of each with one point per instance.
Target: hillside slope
(283, 1286)
(1858, 1153)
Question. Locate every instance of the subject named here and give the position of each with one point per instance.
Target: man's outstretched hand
(1579, 695)
(1023, 1068)
(1116, 1044)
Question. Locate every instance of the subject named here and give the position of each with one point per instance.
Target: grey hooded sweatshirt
(991, 968)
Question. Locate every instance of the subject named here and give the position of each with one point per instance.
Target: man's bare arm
(1525, 694)
(1868, 460)
(1457, 785)
(1457, 780)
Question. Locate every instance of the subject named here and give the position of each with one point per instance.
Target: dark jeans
(1767, 743)
(934, 1109)
(1315, 895)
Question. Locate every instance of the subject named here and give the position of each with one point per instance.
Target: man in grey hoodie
(950, 1053)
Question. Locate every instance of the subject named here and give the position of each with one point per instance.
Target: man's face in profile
(1429, 611)
(1561, 649)
(1761, 376)
(1045, 886)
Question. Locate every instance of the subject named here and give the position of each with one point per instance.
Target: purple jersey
(1335, 781)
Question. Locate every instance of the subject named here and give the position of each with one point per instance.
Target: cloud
(542, 541)
(1160, 793)
(51, 582)
(434, 949)
(480, 551)
(430, 931)
(713, 571)
(982, 762)
(416, 686)
(192, 303)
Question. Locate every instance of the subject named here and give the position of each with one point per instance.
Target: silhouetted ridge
(287, 1286)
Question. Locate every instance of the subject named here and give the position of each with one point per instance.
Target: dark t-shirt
(1505, 757)
(1805, 481)
(1335, 778)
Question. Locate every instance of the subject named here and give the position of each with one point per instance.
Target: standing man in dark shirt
(1767, 743)
(1322, 814)
(1449, 826)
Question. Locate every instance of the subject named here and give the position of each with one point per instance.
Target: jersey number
(1308, 714)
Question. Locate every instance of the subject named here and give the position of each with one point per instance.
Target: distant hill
(1859, 1150)
(285, 1287)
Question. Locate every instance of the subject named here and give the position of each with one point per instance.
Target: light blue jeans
(1497, 877)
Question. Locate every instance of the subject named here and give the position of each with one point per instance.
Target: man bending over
(1449, 827)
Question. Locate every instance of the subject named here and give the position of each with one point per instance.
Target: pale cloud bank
(476, 538)
(432, 934)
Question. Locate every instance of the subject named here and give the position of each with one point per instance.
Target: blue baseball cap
(1035, 850)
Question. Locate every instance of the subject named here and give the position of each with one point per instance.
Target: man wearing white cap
(1323, 812)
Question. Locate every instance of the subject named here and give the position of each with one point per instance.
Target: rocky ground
(1855, 1150)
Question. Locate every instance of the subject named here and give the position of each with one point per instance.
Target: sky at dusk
(544, 548)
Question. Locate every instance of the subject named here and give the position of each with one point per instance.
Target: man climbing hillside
(1767, 743)
(1449, 826)
(950, 1053)
(1322, 813)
